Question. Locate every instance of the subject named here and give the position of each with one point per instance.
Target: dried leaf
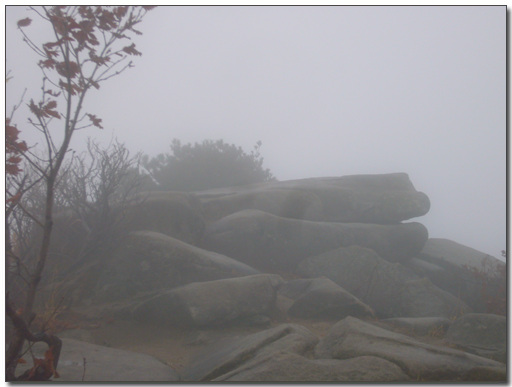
(95, 120)
(53, 93)
(94, 83)
(51, 105)
(24, 22)
(68, 69)
(48, 63)
(131, 50)
(12, 169)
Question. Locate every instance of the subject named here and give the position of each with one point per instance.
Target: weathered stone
(241, 300)
(176, 214)
(389, 289)
(321, 298)
(290, 367)
(269, 242)
(434, 327)
(148, 261)
(79, 255)
(352, 338)
(80, 361)
(387, 198)
(238, 354)
(288, 203)
(475, 277)
(446, 253)
(481, 334)
(421, 298)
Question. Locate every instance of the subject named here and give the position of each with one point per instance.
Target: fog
(329, 91)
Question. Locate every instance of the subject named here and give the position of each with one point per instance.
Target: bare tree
(96, 187)
(88, 48)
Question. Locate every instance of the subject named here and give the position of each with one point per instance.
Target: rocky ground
(310, 280)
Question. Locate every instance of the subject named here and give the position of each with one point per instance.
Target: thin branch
(16, 107)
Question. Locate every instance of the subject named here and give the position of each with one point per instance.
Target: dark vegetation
(206, 165)
(492, 278)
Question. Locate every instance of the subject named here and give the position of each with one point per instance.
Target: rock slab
(291, 367)
(232, 356)
(241, 300)
(103, 364)
(477, 278)
(383, 199)
(321, 298)
(149, 261)
(270, 242)
(481, 334)
(176, 214)
(390, 289)
(352, 337)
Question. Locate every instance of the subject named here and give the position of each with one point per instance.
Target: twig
(83, 375)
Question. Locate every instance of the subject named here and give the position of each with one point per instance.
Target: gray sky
(330, 91)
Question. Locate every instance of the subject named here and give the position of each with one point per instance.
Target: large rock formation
(321, 298)
(79, 239)
(477, 278)
(176, 214)
(387, 198)
(237, 260)
(389, 288)
(269, 242)
(149, 261)
(146, 261)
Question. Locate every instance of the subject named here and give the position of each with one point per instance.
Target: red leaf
(50, 53)
(48, 63)
(98, 59)
(131, 50)
(95, 120)
(14, 160)
(51, 105)
(106, 20)
(12, 169)
(10, 130)
(85, 12)
(24, 22)
(15, 199)
(68, 69)
(52, 93)
(59, 23)
(34, 109)
(52, 44)
(120, 11)
(52, 113)
(94, 83)
(48, 110)
(73, 89)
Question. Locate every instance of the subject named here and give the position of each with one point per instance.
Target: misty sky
(330, 91)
